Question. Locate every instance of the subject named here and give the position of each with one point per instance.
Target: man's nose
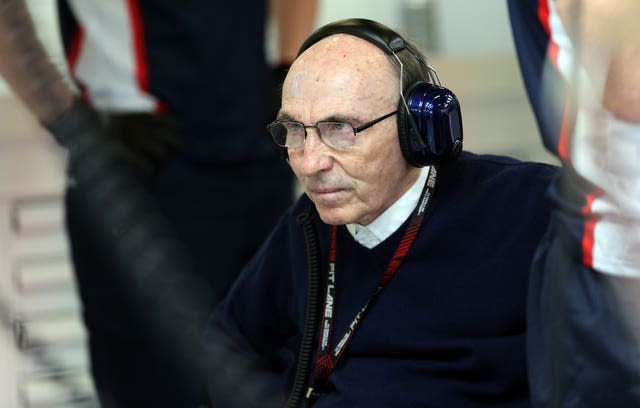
(315, 154)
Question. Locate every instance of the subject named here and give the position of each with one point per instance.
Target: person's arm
(132, 222)
(295, 20)
(583, 327)
(26, 67)
(608, 37)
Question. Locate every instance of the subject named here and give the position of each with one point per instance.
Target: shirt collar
(389, 221)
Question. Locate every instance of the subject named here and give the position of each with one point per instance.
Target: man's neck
(389, 221)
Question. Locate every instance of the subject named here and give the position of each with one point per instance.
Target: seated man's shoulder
(505, 166)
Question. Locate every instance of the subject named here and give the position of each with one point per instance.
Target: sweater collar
(389, 221)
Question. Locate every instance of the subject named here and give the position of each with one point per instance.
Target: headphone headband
(379, 34)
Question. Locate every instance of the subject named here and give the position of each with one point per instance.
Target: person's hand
(140, 139)
(144, 139)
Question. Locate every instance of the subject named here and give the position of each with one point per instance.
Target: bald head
(347, 79)
(355, 70)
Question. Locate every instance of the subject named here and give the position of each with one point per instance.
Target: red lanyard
(328, 358)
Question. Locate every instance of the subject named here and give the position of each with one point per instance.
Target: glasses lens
(287, 134)
(337, 134)
(278, 133)
(294, 135)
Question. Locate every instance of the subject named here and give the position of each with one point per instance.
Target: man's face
(347, 79)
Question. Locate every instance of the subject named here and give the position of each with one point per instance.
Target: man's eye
(293, 126)
(338, 127)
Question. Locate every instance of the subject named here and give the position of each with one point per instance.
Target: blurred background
(43, 357)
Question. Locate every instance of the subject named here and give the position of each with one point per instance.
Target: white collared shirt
(389, 221)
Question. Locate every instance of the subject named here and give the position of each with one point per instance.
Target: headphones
(429, 118)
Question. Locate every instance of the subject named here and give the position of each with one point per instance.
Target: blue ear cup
(430, 125)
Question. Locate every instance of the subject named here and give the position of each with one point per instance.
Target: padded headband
(379, 34)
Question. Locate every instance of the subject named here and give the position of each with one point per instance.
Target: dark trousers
(220, 214)
(582, 345)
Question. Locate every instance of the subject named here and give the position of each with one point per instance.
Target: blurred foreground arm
(607, 38)
(26, 67)
(580, 62)
(36, 81)
(295, 21)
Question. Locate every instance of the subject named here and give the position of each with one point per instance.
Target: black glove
(144, 139)
(76, 127)
(141, 139)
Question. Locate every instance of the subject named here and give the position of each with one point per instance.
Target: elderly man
(399, 278)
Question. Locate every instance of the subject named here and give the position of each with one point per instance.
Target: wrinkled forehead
(346, 65)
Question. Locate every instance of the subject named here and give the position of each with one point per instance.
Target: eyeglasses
(339, 135)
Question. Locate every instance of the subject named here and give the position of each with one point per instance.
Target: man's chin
(335, 216)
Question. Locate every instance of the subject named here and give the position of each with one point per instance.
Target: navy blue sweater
(448, 330)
